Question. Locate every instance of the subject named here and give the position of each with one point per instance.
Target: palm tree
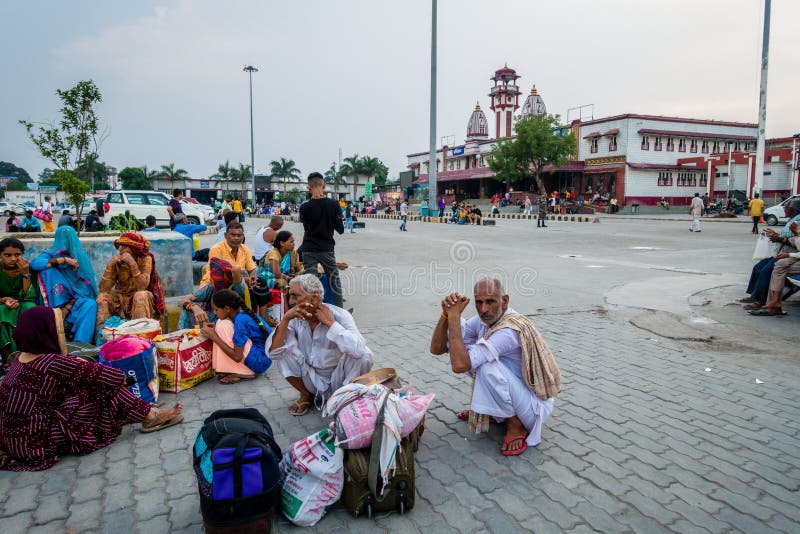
(285, 170)
(353, 167)
(242, 174)
(150, 176)
(223, 172)
(169, 171)
(334, 176)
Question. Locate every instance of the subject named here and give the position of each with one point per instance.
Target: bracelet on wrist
(444, 315)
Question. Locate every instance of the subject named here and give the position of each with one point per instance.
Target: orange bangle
(444, 315)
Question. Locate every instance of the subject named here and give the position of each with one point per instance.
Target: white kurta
(326, 358)
(500, 391)
(696, 211)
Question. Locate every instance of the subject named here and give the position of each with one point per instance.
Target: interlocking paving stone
(645, 459)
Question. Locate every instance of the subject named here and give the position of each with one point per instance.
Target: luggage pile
(366, 459)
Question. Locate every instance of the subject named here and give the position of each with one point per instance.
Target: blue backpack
(236, 463)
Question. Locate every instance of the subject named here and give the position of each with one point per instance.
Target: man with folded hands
(316, 345)
(515, 375)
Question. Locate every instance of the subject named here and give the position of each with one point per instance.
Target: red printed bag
(184, 360)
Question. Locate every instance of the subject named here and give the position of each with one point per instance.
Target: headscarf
(67, 245)
(40, 330)
(221, 274)
(141, 247)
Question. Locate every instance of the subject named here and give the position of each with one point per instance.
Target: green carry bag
(362, 478)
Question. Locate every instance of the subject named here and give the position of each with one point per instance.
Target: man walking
(542, 211)
(696, 211)
(440, 204)
(756, 207)
(527, 210)
(404, 214)
(320, 217)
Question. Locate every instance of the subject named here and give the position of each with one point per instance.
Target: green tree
(16, 185)
(46, 174)
(535, 145)
(223, 173)
(243, 176)
(135, 178)
(93, 172)
(67, 143)
(374, 168)
(171, 173)
(9, 169)
(334, 176)
(76, 190)
(285, 170)
(353, 167)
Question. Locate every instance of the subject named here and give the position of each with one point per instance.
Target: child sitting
(239, 337)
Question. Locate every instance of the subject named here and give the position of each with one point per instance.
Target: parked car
(208, 211)
(7, 207)
(143, 203)
(776, 214)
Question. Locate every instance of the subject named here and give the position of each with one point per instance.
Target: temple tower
(534, 105)
(505, 100)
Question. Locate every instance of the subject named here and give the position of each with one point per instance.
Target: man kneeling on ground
(317, 346)
(515, 374)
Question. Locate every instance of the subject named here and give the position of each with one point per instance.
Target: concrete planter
(173, 253)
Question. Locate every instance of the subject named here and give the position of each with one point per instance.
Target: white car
(7, 207)
(143, 203)
(208, 211)
(776, 214)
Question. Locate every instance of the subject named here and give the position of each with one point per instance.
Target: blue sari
(60, 285)
(265, 273)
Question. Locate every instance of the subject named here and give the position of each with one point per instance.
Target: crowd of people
(53, 404)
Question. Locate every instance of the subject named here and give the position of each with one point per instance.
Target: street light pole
(249, 69)
(762, 101)
(432, 189)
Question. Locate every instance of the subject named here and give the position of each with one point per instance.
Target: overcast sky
(356, 74)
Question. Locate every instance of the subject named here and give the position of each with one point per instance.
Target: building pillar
(619, 186)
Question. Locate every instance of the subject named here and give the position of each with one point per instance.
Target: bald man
(516, 376)
(262, 240)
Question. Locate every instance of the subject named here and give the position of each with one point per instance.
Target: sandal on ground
(754, 306)
(463, 415)
(232, 379)
(763, 312)
(299, 408)
(512, 439)
(155, 426)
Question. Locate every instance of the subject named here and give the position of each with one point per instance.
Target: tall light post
(249, 69)
(762, 101)
(795, 166)
(432, 189)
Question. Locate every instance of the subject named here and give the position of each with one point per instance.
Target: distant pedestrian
(441, 205)
(696, 211)
(238, 209)
(348, 216)
(527, 210)
(756, 207)
(542, 211)
(404, 214)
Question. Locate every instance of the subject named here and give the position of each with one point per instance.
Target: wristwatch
(28, 276)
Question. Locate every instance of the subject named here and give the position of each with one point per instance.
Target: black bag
(236, 463)
(362, 478)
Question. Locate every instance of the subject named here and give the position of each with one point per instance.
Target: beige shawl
(539, 368)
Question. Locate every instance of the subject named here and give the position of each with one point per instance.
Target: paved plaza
(678, 410)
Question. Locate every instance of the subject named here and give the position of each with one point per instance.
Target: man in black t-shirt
(320, 217)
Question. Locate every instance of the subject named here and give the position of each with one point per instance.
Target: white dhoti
(696, 224)
(501, 394)
(324, 381)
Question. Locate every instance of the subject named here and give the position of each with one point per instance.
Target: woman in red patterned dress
(52, 404)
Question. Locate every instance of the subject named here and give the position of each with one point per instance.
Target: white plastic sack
(764, 248)
(313, 478)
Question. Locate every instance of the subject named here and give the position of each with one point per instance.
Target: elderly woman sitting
(66, 280)
(52, 404)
